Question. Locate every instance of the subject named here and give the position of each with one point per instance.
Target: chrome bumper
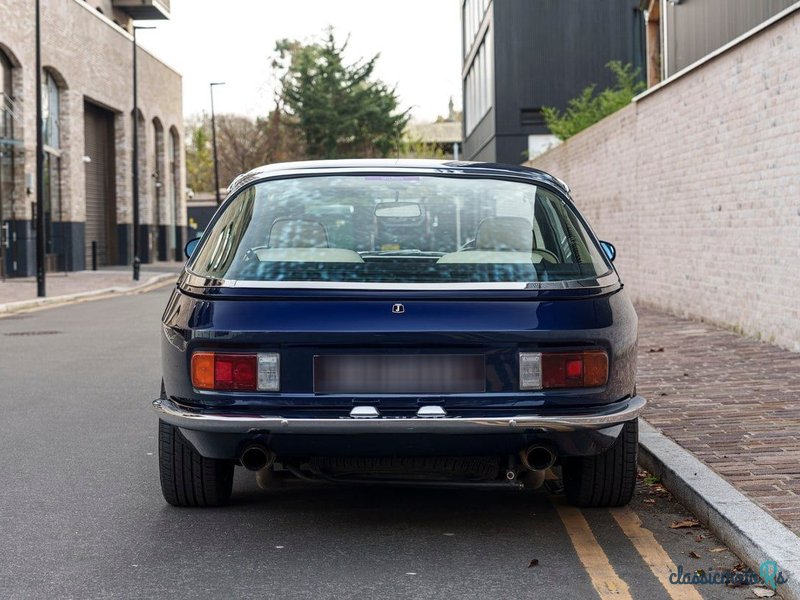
(605, 416)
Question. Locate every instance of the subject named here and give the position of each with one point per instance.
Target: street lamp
(214, 141)
(41, 248)
(136, 262)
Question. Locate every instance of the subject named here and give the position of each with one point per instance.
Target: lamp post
(214, 142)
(136, 246)
(41, 248)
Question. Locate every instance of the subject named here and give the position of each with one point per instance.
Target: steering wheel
(251, 252)
(546, 254)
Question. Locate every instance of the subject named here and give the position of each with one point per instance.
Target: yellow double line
(604, 578)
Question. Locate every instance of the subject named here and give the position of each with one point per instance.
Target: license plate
(400, 374)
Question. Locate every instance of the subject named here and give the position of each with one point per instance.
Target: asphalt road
(81, 512)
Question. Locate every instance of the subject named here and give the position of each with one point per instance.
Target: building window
(6, 98)
(173, 203)
(479, 84)
(158, 171)
(9, 112)
(473, 12)
(51, 132)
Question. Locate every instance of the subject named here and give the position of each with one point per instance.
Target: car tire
(605, 479)
(187, 478)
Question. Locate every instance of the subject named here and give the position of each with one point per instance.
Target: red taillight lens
(211, 371)
(235, 371)
(579, 369)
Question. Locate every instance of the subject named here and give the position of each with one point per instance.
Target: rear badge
(398, 309)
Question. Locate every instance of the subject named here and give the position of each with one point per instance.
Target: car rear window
(398, 229)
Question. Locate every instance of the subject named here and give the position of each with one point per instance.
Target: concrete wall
(92, 59)
(698, 185)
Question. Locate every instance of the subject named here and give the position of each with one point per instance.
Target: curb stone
(22, 305)
(747, 529)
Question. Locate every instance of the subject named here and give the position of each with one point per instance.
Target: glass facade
(473, 12)
(479, 84)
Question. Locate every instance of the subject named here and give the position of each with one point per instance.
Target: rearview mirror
(190, 246)
(609, 249)
(398, 210)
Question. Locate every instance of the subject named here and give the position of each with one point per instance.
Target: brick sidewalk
(60, 284)
(732, 401)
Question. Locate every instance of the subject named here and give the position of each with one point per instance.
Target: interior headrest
(297, 233)
(513, 234)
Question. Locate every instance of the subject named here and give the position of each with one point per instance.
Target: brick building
(697, 183)
(87, 91)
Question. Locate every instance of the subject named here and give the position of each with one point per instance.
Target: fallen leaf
(694, 554)
(656, 350)
(739, 567)
(685, 523)
(698, 537)
(649, 500)
(720, 549)
(763, 592)
(534, 563)
(660, 490)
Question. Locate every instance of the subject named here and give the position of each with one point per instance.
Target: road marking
(604, 579)
(652, 553)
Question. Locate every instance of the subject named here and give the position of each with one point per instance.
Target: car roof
(400, 165)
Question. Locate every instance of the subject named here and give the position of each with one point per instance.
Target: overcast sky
(233, 40)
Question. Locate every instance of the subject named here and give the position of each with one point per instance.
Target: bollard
(136, 264)
(94, 256)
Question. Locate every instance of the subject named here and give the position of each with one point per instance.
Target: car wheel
(606, 479)
(187, 478)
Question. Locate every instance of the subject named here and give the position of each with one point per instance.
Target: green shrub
(588, 108)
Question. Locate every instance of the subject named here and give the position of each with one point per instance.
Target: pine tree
(340, 110)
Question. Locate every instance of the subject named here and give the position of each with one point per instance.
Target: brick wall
(697, 183)
(92, 58)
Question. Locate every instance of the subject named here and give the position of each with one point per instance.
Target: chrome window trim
(607, 280)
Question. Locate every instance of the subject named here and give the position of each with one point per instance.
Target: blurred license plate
(400, 374)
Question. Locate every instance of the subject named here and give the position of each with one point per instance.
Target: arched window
(6, 97)
(51, 111)
(174, 157)
(51, 133)
(9, 149)
(158, 189)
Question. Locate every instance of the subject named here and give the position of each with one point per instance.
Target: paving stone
(737, 409)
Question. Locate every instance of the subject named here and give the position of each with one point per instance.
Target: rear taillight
(242, 372)
(547, 370)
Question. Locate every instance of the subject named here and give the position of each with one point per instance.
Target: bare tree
(242, 144)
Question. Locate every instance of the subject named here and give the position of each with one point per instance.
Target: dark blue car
(404, 322)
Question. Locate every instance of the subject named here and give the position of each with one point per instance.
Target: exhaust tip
(256, 457)
(537, 458)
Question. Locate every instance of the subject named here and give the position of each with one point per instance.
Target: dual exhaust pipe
(536, 460)
(256, 457)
